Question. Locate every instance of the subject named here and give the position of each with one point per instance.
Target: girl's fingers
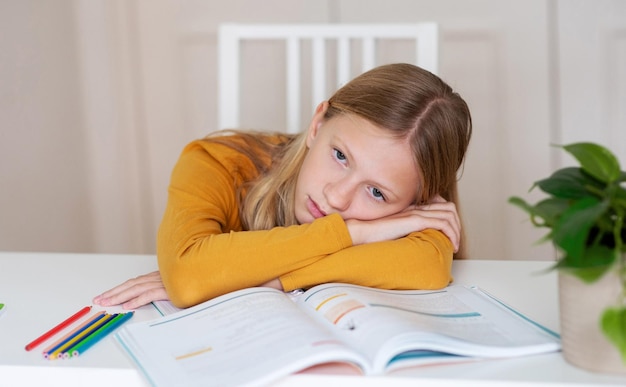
(134, 288)
(445, 221)
(438, 199)
(145, 298)
(129, 283)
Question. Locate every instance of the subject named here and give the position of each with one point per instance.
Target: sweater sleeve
(201, 250)
(421, 260)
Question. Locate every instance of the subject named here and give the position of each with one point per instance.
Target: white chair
(231, 37)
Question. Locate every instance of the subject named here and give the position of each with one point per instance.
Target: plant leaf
(620, 193)
(572, 229)
(596, 261)
(588, 274)
(596, 160)
(521, 203)
(613, 322)
(568, 183)
(549, 210)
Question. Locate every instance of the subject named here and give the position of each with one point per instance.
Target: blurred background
(98, 98)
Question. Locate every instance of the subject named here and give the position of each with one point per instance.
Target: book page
(243, 338)
(392, 327)
(165, 307)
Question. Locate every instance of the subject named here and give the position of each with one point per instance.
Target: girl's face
(355, 169)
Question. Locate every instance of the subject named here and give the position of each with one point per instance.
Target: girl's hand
(439, 215)
(135, 292)
(274, 284)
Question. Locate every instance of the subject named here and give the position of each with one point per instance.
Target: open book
(257, 335)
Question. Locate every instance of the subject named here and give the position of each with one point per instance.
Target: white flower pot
(581, 305)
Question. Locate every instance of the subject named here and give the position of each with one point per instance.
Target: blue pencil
(93, 320)
(101, 333)
(61, 350)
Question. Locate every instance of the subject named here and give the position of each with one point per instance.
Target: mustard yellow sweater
(203, 252)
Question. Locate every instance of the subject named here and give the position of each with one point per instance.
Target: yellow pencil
(91, 329)
(70, 335)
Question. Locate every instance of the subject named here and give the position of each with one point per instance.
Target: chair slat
(229, 87)
(343, 61)
(425, 34)
(368, 54)
(293, 84)
(318, 85)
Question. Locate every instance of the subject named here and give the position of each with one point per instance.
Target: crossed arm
(421, 259)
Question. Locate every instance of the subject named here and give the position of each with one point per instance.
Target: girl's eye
(377, 194)
(339, 155)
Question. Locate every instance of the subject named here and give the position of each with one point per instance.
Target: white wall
(44, 165)
(98, 97)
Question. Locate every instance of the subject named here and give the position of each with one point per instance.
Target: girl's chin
(304, 218)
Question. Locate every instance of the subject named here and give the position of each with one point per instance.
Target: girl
(367, 195)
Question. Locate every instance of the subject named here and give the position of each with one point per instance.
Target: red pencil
(58, 328)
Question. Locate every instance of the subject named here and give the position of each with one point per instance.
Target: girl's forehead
(365, 128)
(353, 129)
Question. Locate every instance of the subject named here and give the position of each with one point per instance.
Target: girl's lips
(314, 209)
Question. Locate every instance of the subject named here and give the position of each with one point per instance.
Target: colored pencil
(75, 332)
(103, 332)
(57, 328)
(58, 352)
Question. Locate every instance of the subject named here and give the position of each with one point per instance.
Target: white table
(42, 289)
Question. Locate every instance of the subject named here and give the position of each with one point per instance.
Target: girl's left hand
(274, 284)
(445, 218)
(135, 292)
(439, 215)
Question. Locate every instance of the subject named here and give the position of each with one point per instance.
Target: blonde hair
(402, 98)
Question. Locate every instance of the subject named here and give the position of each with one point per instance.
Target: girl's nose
(339, 194)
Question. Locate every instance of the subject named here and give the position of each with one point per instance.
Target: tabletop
(41, 289)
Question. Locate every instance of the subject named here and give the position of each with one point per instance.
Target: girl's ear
(316, 122)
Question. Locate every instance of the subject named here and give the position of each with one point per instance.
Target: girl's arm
(384, 256)
(421, 260)
(201, 250)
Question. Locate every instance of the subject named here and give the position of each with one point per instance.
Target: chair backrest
(231, 36)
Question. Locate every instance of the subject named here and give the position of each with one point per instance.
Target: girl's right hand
(135, 292)
(439, 215)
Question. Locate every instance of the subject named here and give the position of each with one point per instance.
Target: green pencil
(99, 334)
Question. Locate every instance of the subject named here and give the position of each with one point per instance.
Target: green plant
(584, 212)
